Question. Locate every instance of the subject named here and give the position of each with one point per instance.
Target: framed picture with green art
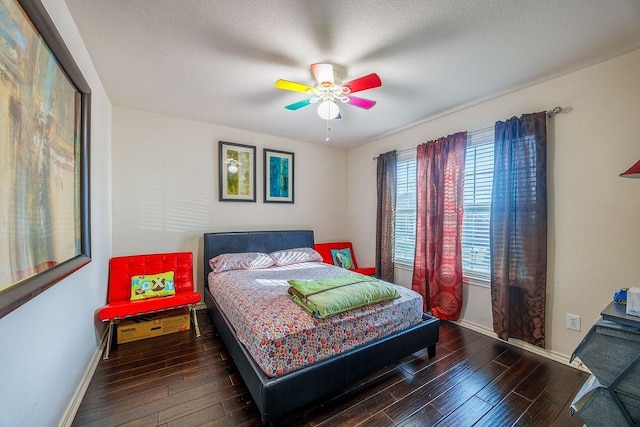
(237, 172)
(278, 176)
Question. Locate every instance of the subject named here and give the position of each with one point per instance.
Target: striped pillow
(241, 261)
(294, 256)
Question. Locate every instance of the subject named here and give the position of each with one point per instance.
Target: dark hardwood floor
(180, 380)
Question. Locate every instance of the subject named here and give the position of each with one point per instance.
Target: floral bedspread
(282, 336)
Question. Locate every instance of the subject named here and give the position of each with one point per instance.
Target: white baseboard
(72, 408)
(553, 355)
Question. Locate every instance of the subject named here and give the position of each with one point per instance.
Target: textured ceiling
(216, 61)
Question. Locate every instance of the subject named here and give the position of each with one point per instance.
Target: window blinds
(405, 207)
(478, 180)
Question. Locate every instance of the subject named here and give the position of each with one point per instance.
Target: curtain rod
(550, 114)
(554, 111)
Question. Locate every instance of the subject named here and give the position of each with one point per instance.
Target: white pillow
(294, 256)
(241, 261)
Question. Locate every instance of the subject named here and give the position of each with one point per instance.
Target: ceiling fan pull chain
(328, 129)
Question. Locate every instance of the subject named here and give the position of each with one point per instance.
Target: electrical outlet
(573, 322)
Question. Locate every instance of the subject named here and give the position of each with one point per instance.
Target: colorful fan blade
(323, 72)
(296, 87)
(363, 83)
(299, 104)
(361, 102)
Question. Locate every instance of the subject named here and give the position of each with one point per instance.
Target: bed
(276, 396)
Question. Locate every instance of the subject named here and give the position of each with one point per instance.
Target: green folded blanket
(327, 297)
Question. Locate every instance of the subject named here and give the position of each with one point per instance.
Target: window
(478, 180)
(405, 208)
(478, 170)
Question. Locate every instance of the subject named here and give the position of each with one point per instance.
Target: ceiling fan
(327, 93)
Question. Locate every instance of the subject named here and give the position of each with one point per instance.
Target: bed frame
(276, 397)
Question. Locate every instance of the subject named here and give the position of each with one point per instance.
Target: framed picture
(237, 172)
(278, 176)
(44, 166)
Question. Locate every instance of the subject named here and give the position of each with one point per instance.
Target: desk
(618, 313)
(611, 351)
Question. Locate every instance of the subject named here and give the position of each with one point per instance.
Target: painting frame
(236, 172)
(30, 282)
(279, 178)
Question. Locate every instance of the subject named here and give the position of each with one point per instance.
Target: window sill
(468, 280)
(403, 266)
(476, 281)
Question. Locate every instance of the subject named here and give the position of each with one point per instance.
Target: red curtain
(437, 268)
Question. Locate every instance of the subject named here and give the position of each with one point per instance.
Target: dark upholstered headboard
(252, 241)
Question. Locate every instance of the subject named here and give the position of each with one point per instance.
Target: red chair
(324, 249)
(122, 268)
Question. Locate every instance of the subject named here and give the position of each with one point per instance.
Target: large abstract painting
(44, 106)
(278, 176)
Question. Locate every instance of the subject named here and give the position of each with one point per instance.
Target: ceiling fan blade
(363, 83)
(299, 104)
(323, 72)
(296, 87)
(361, 102)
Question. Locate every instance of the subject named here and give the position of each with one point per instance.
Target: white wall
(594, 228)
(48, 342)
(165, 186)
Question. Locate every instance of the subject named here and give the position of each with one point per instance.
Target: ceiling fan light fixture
(328, 110)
